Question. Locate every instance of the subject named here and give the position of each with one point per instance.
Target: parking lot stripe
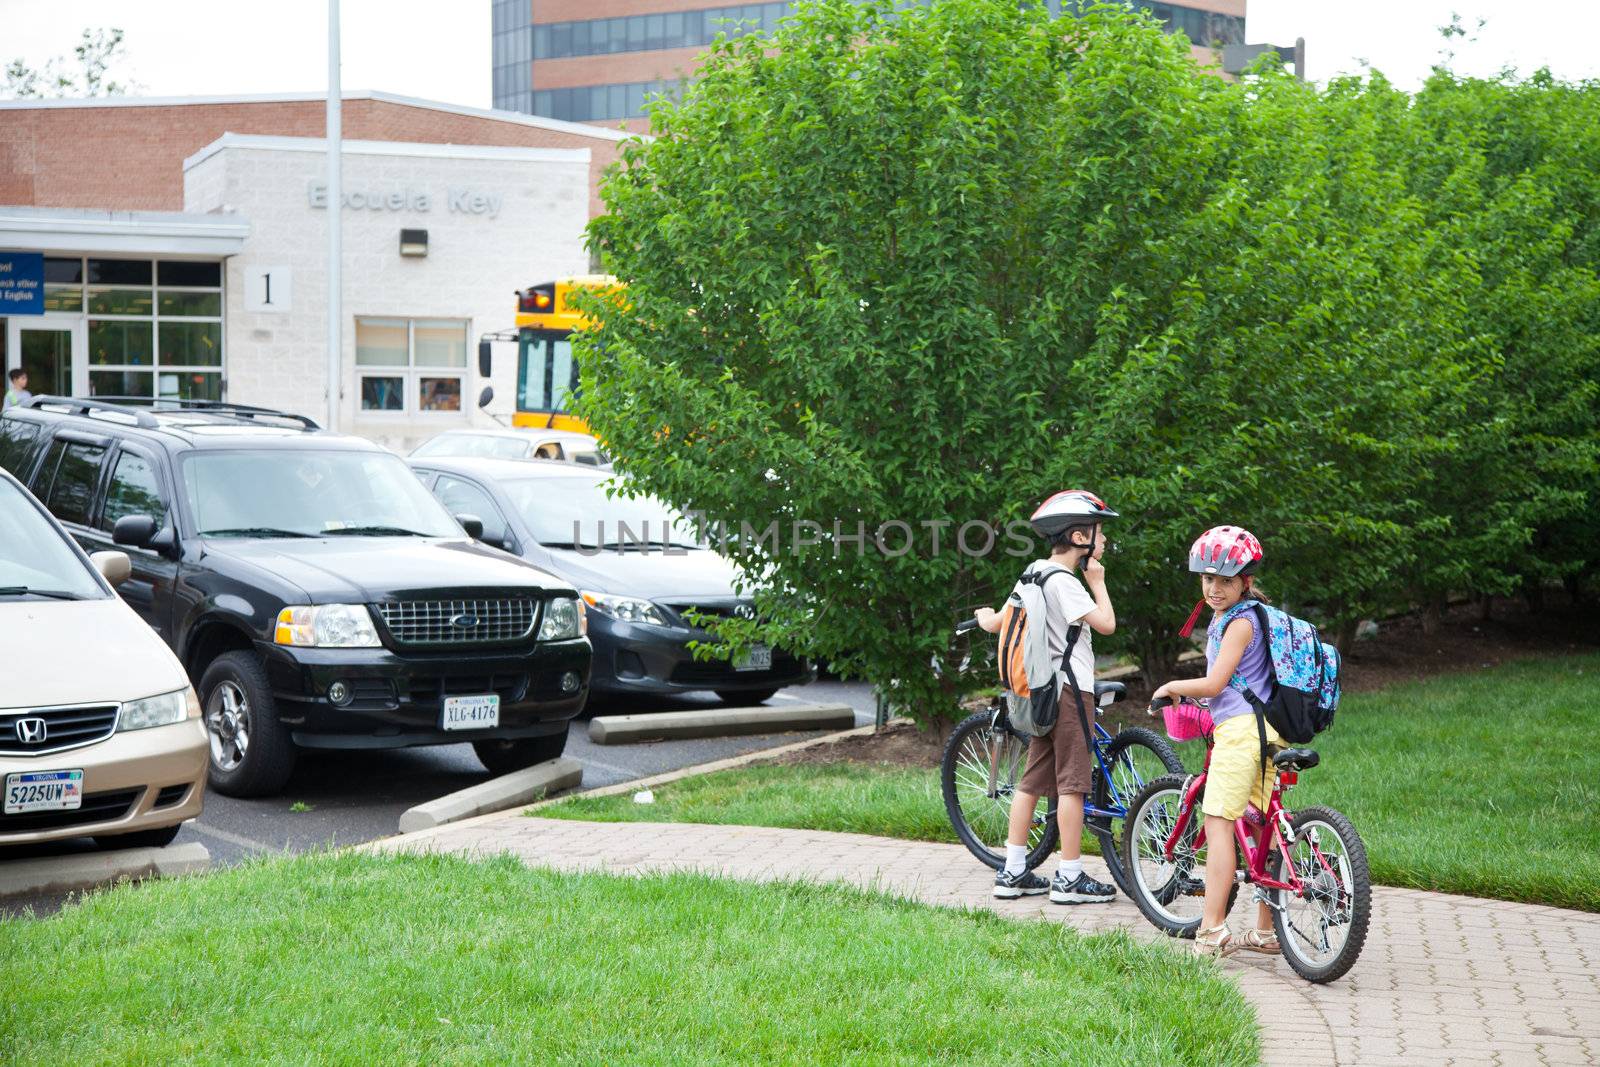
(234, 839)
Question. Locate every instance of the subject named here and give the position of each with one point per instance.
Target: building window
(155, 326)
(593, 103)
(411, 366)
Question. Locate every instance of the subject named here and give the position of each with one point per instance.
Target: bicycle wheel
(1170, 893)
(1134, 757)
(980, 816)
(1323, 930)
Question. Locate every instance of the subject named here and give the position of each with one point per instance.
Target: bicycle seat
(1296, 759)
(1108, 693)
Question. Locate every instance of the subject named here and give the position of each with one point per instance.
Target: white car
(100, 732)
(566, 445)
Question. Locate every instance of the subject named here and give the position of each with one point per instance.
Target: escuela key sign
(21, 283)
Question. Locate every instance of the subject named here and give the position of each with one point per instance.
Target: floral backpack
(1305, 668)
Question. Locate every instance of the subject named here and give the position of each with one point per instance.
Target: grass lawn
(434, 959)
(1478, 783)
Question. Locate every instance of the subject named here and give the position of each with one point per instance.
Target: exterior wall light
(413, 242)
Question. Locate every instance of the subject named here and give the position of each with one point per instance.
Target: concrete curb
(719, 722)
(389, 844)
(497, 794)
(85, 870)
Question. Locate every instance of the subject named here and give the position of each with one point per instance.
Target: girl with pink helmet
(1226, 558)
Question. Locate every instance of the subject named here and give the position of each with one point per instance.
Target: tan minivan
(100, 732)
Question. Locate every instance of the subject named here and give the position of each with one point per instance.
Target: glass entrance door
(50, 350)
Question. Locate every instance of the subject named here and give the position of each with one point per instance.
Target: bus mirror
(486, 396)
(485, 358)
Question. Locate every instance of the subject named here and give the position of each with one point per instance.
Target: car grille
(64, 728)
(721, 609)
(439, 622)
(432, 690)
(96, 807)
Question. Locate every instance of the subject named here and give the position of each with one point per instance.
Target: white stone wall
(474, 263)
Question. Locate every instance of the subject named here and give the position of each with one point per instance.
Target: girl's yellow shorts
(1236, 776)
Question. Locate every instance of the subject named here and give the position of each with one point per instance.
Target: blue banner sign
(21, 283)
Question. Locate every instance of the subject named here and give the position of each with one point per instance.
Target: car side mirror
(486, 396)
(136, 531)
(485, 358)
(472, 524)
(114, 567)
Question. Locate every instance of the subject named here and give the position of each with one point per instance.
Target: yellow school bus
(547, 375)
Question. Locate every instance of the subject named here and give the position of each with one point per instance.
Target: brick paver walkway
(1443, 979)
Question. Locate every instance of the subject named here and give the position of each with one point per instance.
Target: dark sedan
(638, 571)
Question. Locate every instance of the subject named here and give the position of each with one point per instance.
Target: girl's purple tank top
(1252, 665)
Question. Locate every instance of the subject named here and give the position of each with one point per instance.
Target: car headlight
(163, 710)
(626, 608)
(563, 618)
(327, 626)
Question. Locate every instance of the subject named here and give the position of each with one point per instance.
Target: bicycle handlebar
(1158, 703)
(966, 626)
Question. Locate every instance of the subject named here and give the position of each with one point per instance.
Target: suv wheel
(503, 757)
(139, 838)
(251, 753)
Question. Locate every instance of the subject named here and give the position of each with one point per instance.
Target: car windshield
(475, 444)
(35, 559)
(310, 494)
(575, 512)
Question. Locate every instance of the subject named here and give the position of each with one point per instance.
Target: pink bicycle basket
(1187, 721)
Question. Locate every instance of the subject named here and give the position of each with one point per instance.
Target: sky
(439, 49)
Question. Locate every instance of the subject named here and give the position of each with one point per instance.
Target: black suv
(318, 595)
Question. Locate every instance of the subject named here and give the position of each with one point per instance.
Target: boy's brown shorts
(1058, 762)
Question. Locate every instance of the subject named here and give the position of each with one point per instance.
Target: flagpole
(335, 222)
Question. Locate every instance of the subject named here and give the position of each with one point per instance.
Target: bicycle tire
(959, 771)
(1360, 893)
(1118, 757)
(1186, 880)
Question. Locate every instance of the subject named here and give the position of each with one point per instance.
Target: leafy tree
(94, 56)
(862, 260)
(1508, 172)
(926, 267)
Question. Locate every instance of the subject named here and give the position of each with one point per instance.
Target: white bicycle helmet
(1070, 507)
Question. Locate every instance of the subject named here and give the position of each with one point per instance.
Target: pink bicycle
(1309, 867)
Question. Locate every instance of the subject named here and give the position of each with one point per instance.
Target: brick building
(599, 60)
(177, 248)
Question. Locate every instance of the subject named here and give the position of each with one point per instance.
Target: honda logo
(31, 731)
(745, 611)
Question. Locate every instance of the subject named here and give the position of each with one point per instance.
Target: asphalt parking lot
(344, 798)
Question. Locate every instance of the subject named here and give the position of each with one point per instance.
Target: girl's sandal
(1262, 941)
(1215, 942)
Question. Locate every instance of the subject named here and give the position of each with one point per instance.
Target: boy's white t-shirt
(1067, 602)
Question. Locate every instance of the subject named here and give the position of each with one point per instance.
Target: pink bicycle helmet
(1225, 550)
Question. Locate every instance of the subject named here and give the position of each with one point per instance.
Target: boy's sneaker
(1011, 886)
(1081, 890)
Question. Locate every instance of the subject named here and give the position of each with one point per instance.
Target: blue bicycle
(983, 762)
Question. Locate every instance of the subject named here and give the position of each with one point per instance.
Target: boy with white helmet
(1059, 763)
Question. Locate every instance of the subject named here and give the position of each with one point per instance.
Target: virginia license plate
(43, 791)
(472, 713)
(759, 658)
